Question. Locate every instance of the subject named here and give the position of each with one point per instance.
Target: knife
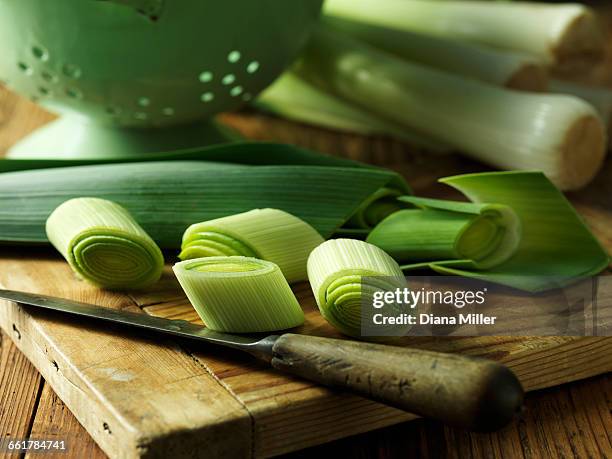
(467, 392)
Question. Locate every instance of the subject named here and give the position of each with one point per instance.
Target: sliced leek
(104, 245)
(344, 275)
(561, 135)
(555, 246)
(269, 234)
(294, 98)
(551, 32)
(239, 294)
(484, 234)
(166, 197)
(512, 69)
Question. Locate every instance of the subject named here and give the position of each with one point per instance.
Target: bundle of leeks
(470, 76)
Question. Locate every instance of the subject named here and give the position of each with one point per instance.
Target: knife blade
(467, 392)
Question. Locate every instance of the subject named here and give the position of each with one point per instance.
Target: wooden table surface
(574, 420)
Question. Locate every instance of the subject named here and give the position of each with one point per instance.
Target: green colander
(130, 76)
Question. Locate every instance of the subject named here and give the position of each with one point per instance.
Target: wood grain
(54, 421)
(20, 386)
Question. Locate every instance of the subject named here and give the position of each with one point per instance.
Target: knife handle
(467, 392)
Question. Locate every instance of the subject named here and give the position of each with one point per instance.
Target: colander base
(71, 138)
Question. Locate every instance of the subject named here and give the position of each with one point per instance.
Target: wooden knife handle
(468, 392)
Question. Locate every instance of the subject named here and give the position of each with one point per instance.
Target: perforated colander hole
(236, 91)
(253, 67)
(234, 57)
(74, 93)
(207, 97)
(113, 111)
(140, 116)
(206, 77)
(168, 111)
(40, 53)
(48, 77)
(44, 91)
(246, 97)
(144, 101)
(228, 79)
(25, 68)
(71, 70)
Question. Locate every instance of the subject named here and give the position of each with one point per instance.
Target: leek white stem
(551, 32)
(270, 234)
(512, 69)
(239, 294)
(599, 98)
(344, 274)
(562, 136)
(294, 98)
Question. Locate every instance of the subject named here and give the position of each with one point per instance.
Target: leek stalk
(485, 234)
(294, 98)
(269, 234)
(555, 246)
(511, 69)
(561, 135)
(553, 33)
(345, 274)
(166, 197)
(239, 294)
(104, 245)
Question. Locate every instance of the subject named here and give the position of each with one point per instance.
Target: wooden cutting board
(148, 396)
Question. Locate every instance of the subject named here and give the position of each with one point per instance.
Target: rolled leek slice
(269, 234)
(239, 294)
(484, 235)
(104, 245)
(344, 274)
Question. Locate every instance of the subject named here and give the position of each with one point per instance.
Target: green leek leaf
(166, 197)
(253, 153)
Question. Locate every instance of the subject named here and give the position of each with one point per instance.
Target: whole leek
(104, 245)
(511, 69)
(269, 234)
(561, 135)
(296, 99)
(239, 294)
(344, 275)
(551, 32)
